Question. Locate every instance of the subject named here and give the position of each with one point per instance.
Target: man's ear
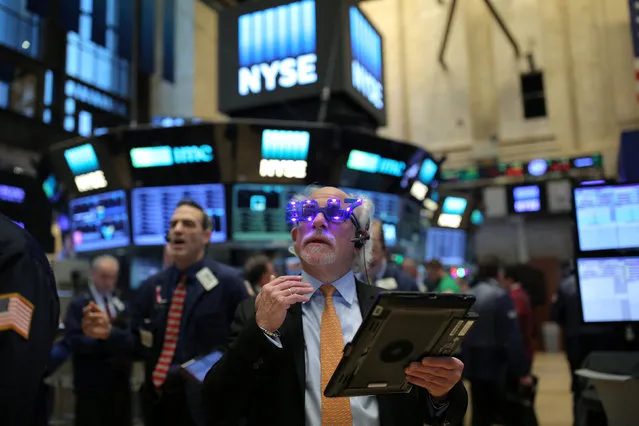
(294, 234)
(207, 236)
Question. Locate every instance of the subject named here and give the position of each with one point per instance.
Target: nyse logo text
(367, 85)
(285, 73)
(293, 169)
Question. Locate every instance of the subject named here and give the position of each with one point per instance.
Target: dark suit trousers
(110, 407)
(165, 408)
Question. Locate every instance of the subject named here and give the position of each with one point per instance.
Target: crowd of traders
(175, 317)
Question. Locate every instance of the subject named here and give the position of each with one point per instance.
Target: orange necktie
(335, 411)
(171, 334)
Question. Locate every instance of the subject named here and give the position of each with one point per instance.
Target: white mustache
(326, 238)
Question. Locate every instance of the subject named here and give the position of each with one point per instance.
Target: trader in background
(29, 317)
(493, 348)
(257, 271)
(440, 279)
(181, 313)
(380, 272)
(101, 367)
(288, 342)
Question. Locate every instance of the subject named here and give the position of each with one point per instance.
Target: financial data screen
(259, 211)
(609, 289)
(607, 217)
(526, 199)
(141, 269)
(446, 245)
(153, 207)
(387, 206)
(100, 222)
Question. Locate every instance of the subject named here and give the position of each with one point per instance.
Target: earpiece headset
(361, 234)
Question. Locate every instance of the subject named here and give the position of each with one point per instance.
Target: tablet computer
(198, 368)
(401, 327)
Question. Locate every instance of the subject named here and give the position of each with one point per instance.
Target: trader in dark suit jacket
(287, 345)
(181, 313)
(101, 368)
(382, 273)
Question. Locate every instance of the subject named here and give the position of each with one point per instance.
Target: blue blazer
(404, 281)
(98, 364)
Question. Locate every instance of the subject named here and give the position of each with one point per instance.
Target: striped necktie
(335, 411)
(171, 334)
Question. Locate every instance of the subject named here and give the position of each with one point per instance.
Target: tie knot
(182, 280)
(328, 290)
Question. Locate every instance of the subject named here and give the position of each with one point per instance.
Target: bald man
(101, 368)
(285, 347)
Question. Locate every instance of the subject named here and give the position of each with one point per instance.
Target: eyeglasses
(334, 212)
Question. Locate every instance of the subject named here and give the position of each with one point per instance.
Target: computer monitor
(607, 217)
(446, 245)
(609, 289)
(100, 221)
(152, 208)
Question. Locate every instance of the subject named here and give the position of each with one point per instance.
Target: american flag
(634, 25)
(15, 314)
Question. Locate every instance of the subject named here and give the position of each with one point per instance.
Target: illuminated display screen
(366, 62)
(428, 171)
(153, 207)
(388, 207)
(609, 289)
(454, 205)
(446, 245)
(390, 234)
(607, 217)
(259, 211)
(100, 222)
(141, 269)
(82, 159)
(165, 156)
(11, 194)
(372, 163)
(284, 153)
(526, 199)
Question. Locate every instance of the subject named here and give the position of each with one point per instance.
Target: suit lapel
(366, 295)
(194, 292)
(293, 337)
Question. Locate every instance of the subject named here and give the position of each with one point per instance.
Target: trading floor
(554, 401)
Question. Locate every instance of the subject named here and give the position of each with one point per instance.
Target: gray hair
(363, 213)
(102, 259)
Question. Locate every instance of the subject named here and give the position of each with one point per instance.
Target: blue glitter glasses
(307, 210)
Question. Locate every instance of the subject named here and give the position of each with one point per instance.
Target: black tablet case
(402, 327)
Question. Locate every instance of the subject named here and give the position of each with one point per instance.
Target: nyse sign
(366, 64)
(277, 48)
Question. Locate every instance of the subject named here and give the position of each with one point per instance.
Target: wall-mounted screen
(454, 205)
(609, 289)
(607, 217)
(446, 245)
(259, 211)
(153, 207)
(100, 222)
(390, 234)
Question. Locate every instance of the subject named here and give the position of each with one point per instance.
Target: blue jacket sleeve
(78, 341)
(508, 331)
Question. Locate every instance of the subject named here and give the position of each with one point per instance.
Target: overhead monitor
(452, 212)
(607, 217)
(526, 199)
(609, 289)
(152, 209)
(142, 268)
(259, 212)
(100, 221)
(390, 234)
(82, 161)
(446, 245)
(388, 207)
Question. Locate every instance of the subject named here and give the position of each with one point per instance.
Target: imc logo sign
(367, 162)
(284, 153)
(277, 48)
(165, 156)
(366, 62)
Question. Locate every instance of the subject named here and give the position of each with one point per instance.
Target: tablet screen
(200, 367)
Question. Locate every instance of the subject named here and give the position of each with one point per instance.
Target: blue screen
(454, 205)
(427, 171)
(366, 65)
(446, 245)
(607, 288)
(388, 207)
(259, 211)
(141, 269)
(153, 207)
(100, 222)
(82, 159)
(607, 217)
(200, 367)
(526, 199)
(368, 162)
(285, 144)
